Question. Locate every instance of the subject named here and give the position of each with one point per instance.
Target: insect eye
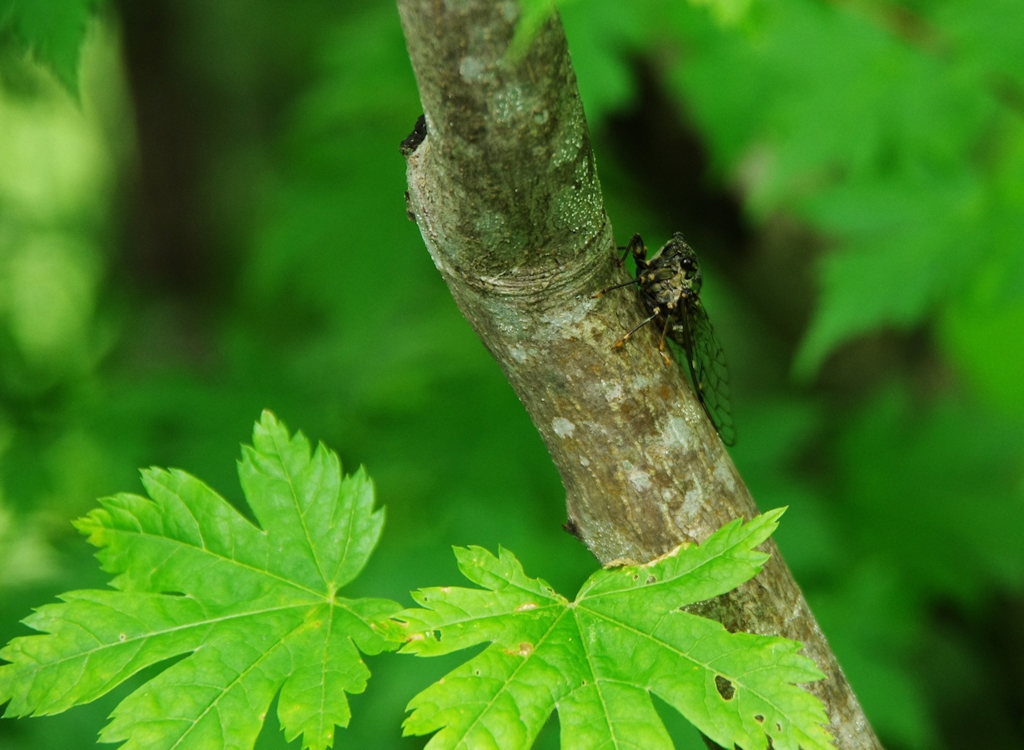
(687, 263)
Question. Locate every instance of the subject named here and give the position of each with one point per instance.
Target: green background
(206, 218)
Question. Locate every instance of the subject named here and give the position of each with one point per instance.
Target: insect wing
(706, 361)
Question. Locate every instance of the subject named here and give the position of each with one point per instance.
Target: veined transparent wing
(705, 359)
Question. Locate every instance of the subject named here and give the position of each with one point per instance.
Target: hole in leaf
(758, 718)
(651, 580)
(725, 688)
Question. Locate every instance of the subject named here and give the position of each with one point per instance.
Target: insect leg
(661, 344)
(635, 246)
(618, 344)
(595, 295)
(691, 363)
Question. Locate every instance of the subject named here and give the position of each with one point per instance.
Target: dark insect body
(670, 284)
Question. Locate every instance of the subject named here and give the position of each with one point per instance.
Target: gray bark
(506, 194)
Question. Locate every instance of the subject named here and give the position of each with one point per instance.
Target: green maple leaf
(598, 658)
(256, 609)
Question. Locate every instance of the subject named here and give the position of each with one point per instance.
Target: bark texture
(505, 191)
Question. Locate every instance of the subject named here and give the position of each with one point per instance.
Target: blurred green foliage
(52, 30)
(215, 224)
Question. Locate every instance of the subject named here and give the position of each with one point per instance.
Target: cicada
(670, 284)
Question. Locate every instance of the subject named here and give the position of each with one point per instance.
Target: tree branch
(505, 191)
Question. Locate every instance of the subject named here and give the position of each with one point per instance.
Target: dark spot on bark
(415, 138)
(725, 688)
(408, 207)
(571, 527)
